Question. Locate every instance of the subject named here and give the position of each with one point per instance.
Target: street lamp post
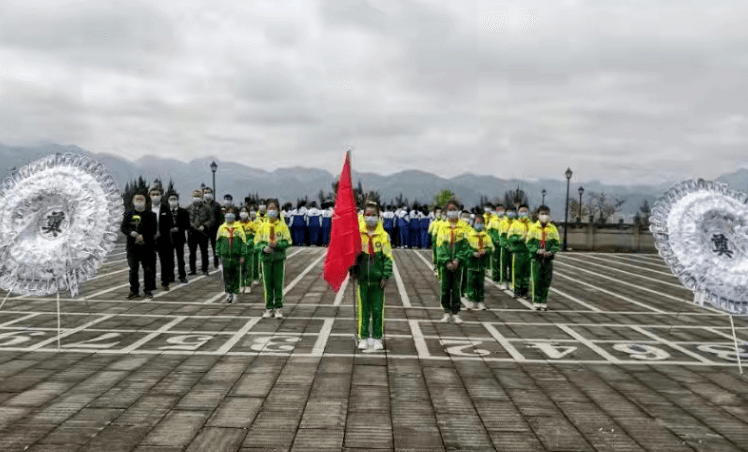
(543, 192)
(568, 174)
(214, 167)
(581, 190)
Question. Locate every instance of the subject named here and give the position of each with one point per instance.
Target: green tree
(443, 196)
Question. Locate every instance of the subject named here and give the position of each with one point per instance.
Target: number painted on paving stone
(642, 351)
(551, 350)
(20, 337)
(460, 345)
(723, 351)
(274, 344)
(95, 342)
(187, 342)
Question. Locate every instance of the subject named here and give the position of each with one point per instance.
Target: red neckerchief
(371, 245)
(231, 238)
(272, 233)
(542, 240)
(480, 242)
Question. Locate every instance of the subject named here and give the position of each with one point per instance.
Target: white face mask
(155, 201)
(273, 213)
(252, 214)
(139, 205)
(262, 207)
(452, 214)
(478, 226)
(243, 215)
(524, 214)
(173, 204)
(544, 218)
(208, 197)
(438, 214)
(197, 200)
(371, 221)
(489, 210)
(500, 213)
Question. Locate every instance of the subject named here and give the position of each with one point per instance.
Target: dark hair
(371, 204)
(488, 204)
(511, 208)
(523, 205)
(452, 202)
(500, 205)
(544, 208)
(272, 201)
(232, 209)
(245, 207)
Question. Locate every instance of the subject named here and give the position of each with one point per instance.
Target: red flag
(345, 238)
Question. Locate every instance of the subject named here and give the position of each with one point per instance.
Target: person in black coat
(139, 225)
(215, 208)
(162, 239)
(180, 224)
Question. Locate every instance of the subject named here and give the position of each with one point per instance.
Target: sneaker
(254, 283)
(133, 295)
(183, 280)
(456, 318)
(371, 342)
(363, 344)
(165, 288)
(267, 314)
(148, 294)
(230, 297)
(536, 306)
(446, 317)
(247, 289)
(543, 306)
(469, 304)
(279, 313)
(481, 306)
(378, 344)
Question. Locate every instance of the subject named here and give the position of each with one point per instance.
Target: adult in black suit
(163, 236)
(139, 225)
(180, 220)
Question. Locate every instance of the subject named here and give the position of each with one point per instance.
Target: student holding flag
(271, 241)
(373, 269)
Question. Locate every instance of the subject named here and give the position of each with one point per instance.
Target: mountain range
(289, 184)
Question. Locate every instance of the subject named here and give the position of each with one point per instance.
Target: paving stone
(272, 430)
(463, 431)
(325, 414)
(322, 440)
(217, 439)
(368, 430)
(9, 415)
(556, 433)
(253, 385)
(424, 438)
(147, 411)
(236, 412)
(178, 428)
(369, 398)
(201, 399)
(515, 441)
(177, 382)
(369, 375)
(122, 437)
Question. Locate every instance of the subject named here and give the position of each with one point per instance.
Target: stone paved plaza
(622, 361)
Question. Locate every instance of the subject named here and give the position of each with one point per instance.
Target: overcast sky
(619, 90)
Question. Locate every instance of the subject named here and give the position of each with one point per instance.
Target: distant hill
(288, 184)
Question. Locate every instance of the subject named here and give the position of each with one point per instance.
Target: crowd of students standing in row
(250, 242)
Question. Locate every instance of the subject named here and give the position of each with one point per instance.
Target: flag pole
(354, 281)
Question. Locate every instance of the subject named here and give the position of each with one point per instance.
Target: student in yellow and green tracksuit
(256, 222)
(373, 268)
(464, 278)
(493, 229)
(271, 241)
(517, 237)
(543, 242)
(452, 254)
(481, 247)
(231, 248)
(433, 229)
(250, 261)
(505, 263)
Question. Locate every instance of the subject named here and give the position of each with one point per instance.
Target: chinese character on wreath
(720, 244)
(53, 223)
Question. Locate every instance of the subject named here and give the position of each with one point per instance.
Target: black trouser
(212, 234)
(179, 248)
(195, 239)
(143, 255)
(166, 259)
